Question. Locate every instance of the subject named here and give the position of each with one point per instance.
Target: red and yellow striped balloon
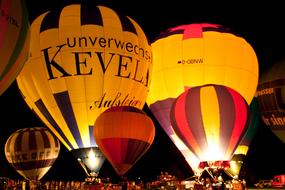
(123, 134)
(32, 151)
(210, 120)
(14, 40)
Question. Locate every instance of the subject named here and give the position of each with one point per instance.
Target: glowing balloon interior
(14, 40)
(91, 159)
(32, 151)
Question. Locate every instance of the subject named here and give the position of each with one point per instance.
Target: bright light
(234, 167)
(213, 153)
(179, 144)
(92, 161)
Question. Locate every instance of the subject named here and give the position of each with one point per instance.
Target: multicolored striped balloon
(124, 134)
(32, 151)
(210, 120)
(14, 40)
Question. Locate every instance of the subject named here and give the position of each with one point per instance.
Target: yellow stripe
(241, 149)
(210, 116)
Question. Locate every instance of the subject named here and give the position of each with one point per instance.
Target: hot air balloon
(84, 59)
(198, 54)
(210, 120)
(270, 95)
(14, 40)
(124, 134)
(243, 147)
(32, 151)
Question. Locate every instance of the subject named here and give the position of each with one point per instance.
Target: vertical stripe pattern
(210, 120)
(32, 151)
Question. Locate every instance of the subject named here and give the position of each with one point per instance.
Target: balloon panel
(210, 120)
(14, 40)
(254, 118)
(84, 60)
(199, 54)
(32, 151)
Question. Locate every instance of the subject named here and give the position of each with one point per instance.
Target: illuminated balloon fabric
(210, 120)
(161, 111)
(32, 151)
(14, 40)
(123, 134)
(271, 98)
(253, 123)
(84, 59)
(199, 54)
(243, 147)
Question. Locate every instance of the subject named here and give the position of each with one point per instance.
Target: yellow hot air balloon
(32, 151)
(199, 54)
(84, 59)
(193, 55)
(14, 40)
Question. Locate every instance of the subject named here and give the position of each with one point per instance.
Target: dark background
(262, 30)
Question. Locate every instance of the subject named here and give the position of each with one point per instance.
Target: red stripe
(195, 118)
(241, 111)
(183, 126)
(123, 150)
(193, 30)
(111, 147)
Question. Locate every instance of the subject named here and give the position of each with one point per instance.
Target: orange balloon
(123, 134)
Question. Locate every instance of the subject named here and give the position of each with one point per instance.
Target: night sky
(266, 155)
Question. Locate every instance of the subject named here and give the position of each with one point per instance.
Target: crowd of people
(164, 181)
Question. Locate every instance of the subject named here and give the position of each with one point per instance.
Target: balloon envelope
(199, 54)
(32, 151)
(84, 59)
(14, 40)
(271, 98)
(210, 120)
(123, 134)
